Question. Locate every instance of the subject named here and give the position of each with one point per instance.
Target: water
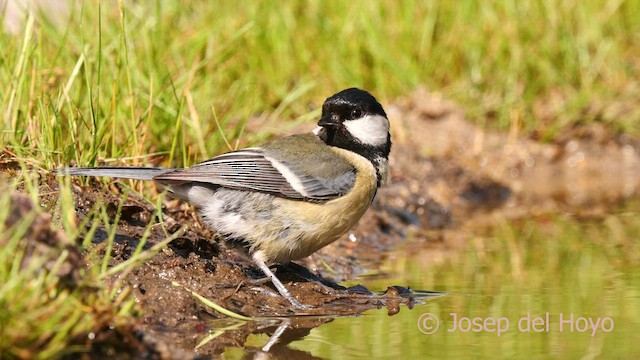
(556, 288)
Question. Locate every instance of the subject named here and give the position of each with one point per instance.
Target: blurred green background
(125, 78)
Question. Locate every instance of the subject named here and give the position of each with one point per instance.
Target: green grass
(163, 81)
(128, 79)
(54, 293)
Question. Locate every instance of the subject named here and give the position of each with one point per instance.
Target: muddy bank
(174, 322)
(583, 170)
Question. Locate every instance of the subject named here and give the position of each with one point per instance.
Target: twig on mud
(215, 306)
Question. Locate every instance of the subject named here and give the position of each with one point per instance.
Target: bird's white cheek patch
(369, 129)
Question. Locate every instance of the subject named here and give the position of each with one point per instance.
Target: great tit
(289, 197)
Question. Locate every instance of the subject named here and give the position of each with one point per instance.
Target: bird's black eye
(356, 113)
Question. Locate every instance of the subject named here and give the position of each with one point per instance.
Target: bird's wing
(256, 169)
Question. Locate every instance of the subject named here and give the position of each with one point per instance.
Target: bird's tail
(138, 173)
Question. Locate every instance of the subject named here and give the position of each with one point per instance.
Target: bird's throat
(331, 134)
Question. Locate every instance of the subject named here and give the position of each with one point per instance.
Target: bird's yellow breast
(315, 225)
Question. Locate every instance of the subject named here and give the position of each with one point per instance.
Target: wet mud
(446, 175)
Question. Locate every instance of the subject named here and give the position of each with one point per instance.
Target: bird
(289, 197)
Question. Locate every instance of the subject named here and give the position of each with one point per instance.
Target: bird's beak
(329, 121)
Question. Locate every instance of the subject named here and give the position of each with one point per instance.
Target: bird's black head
(354, 120)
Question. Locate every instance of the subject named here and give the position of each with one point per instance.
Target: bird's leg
(258, 258)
